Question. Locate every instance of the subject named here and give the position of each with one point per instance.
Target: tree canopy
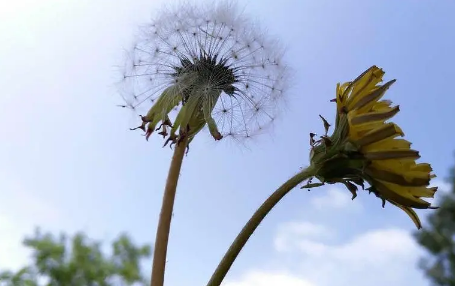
(438, 238)
(78, 261)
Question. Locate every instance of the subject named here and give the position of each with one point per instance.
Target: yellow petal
(386, 131)
(423, 167)
(389, 144)
(392, 154)
(364, 84)
(380, 116)
(399, 195)
(372, 97)
(358, 131)
(411, 213)
(381, 105)
(418, 192)
(402, 166)
(342, 95)
(402, 179)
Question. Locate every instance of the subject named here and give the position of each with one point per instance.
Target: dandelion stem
(164, 223)
(253, 223)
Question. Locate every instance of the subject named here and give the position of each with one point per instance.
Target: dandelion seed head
(212, 52)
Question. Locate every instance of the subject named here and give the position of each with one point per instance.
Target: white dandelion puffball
(211, 52)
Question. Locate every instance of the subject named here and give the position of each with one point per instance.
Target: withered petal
(411, 213)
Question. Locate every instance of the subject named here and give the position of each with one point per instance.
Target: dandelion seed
(205, 59)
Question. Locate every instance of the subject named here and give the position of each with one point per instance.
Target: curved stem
(253, 223)
(164, 223)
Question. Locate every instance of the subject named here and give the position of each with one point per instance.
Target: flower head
(210, 64)
(364, 148)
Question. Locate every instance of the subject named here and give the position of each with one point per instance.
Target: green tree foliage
(78, 261)
(438, 238)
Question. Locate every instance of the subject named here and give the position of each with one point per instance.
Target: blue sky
(68, 161)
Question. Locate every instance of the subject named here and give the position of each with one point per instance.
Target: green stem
(253, 223)
(164, 223)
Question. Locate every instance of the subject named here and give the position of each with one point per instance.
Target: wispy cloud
(294, 235)
(336, 198)
(386, 256)
(260, 278)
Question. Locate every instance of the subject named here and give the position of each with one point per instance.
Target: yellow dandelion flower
(364, 147)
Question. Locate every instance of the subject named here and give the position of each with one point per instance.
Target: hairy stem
(164, 223)
(253, 223)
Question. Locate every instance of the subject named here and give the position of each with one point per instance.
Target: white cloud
(376, 257)
(375, 247)
(335, 198)
(291, 235)
(262, 278)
